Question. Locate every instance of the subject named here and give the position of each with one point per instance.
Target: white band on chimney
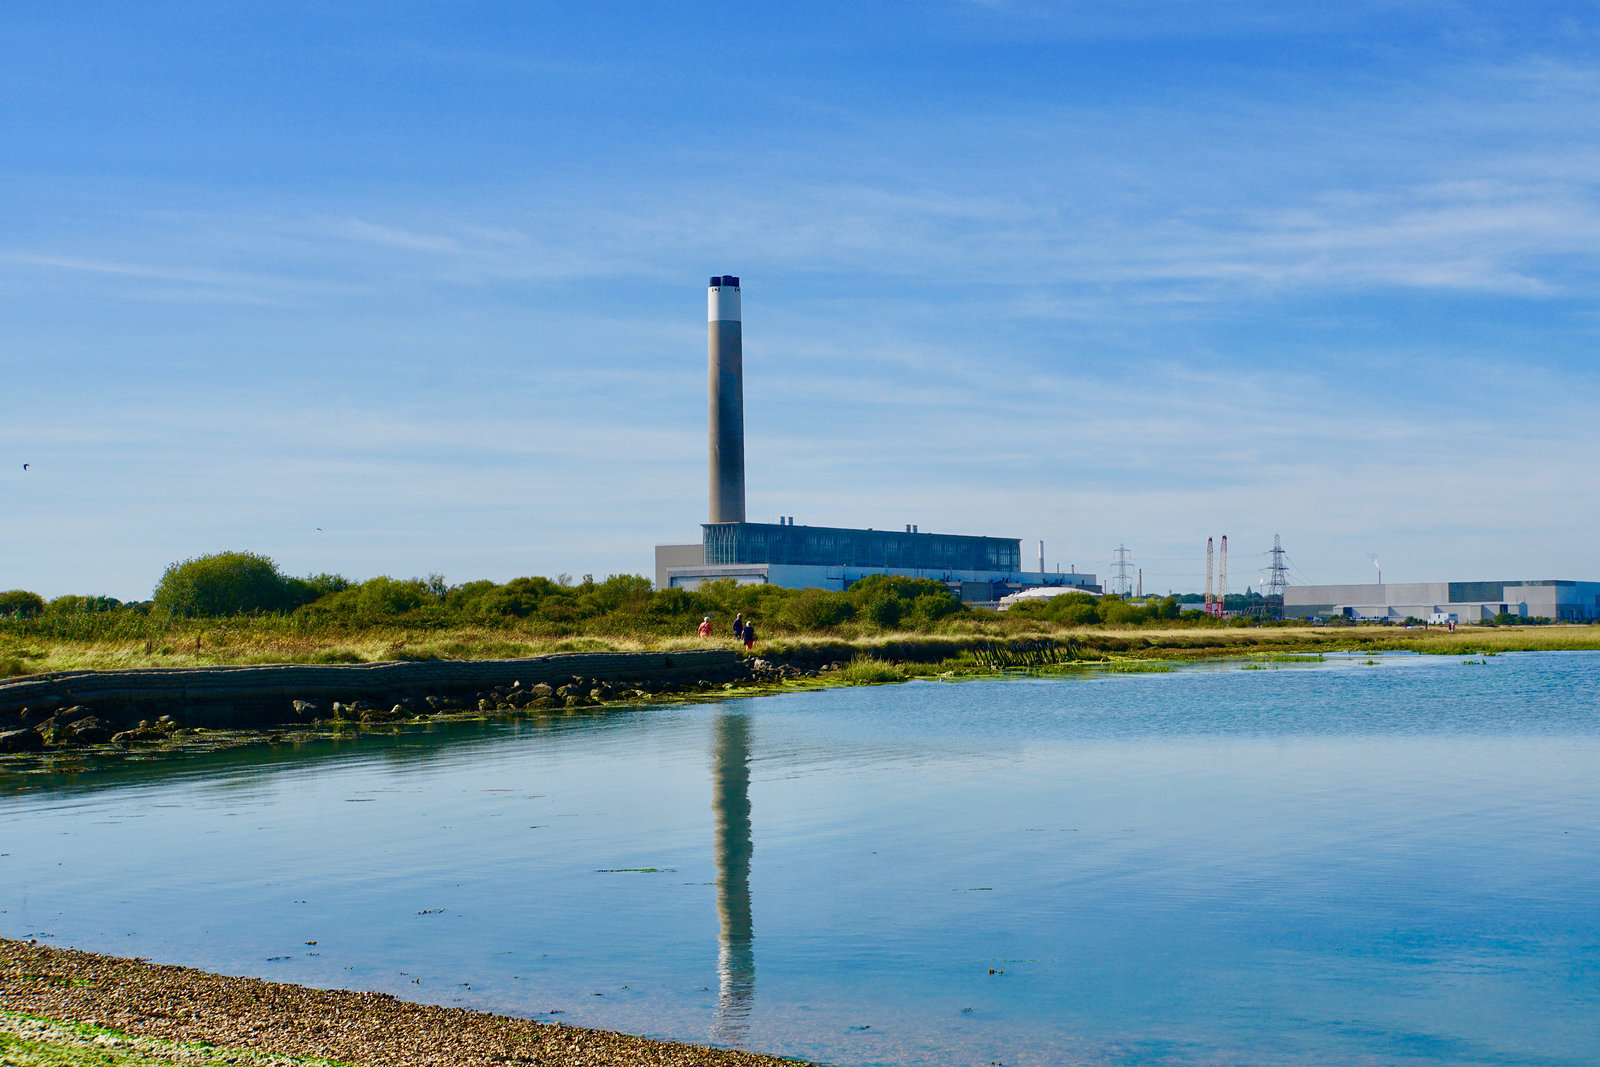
(722, 304)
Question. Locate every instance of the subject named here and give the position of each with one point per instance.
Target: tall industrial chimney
(726, 349)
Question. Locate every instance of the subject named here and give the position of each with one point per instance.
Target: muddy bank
(185, 1005)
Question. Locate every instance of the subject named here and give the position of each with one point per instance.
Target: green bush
(887, 600)
(930, 609)
(391, 596)
(673, 603)
(517, 599)
(21, 603)
(1114, 609)
(377, 598)
(1074, 609)
(724, 598)
(883, 612)
(815, 609)
(307, 590)
(625, 593)
(465, 600)
(230, 583)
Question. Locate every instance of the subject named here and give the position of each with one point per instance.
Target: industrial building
(1468, 602)
(979, 569)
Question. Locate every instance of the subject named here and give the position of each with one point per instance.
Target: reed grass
(866, 670)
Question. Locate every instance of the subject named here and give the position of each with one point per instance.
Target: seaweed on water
(1138, 666)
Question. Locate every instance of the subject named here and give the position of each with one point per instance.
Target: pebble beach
(167, 1012)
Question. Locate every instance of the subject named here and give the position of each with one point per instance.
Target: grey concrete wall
(1576, 602)
(1373, 593)
(668, 556)
(276, 685)
(1570, 601)
(1540, 599)
(1316, 599)
(800, 576)
(741, 573)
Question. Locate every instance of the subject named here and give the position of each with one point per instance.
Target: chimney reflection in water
(736, 961)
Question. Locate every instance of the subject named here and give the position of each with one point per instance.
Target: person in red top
(705, 627)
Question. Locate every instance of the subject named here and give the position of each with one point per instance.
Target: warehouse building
(979, 569)
(1469, 602)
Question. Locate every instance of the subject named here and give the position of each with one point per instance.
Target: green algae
(36, 1041)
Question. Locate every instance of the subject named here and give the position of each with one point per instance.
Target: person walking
(749, 636)
(705, 626)
(738, 627)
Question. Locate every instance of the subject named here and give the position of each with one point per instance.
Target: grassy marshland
(955, 647)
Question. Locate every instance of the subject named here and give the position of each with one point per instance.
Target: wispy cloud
(1084, 284)
(392, 237)
(141, 271)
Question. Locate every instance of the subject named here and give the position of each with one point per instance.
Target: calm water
(1324, 863)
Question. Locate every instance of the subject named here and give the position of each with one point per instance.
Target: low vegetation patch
(31, 1041)
(865, 670)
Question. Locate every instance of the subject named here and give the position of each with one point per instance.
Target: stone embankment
(165, 706)
(79, 708)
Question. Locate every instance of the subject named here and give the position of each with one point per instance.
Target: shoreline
(51, 736)
(68, 994)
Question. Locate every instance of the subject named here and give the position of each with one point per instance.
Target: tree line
(244, 584)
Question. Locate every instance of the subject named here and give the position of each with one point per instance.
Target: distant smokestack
(725, 345)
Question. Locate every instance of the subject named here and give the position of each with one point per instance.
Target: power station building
(1470, 602)
(979, 569)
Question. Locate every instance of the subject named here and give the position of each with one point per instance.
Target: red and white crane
(1214, 600)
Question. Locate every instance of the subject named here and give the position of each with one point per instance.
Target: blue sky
(411, 288)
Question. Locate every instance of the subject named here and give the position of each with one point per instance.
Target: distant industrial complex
(989, 570)
(1462, 602)
(796, 556)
